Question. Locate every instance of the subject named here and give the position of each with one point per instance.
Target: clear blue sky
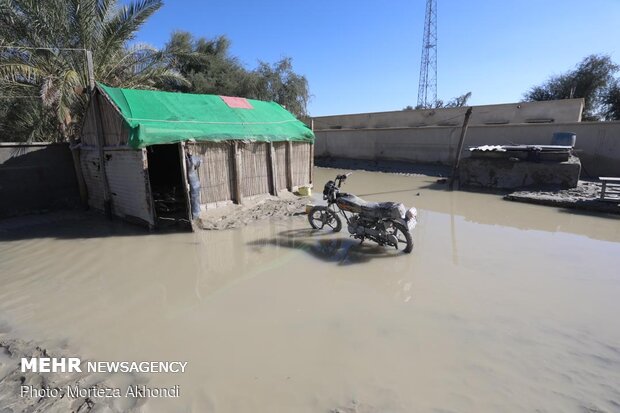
(364, 55)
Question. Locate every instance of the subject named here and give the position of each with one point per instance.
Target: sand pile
(235, 216)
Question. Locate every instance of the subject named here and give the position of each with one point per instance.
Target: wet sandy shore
(585, 197)
(501, 307)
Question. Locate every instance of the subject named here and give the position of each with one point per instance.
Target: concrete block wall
(36, 177)
(598, 143)
(557, 111)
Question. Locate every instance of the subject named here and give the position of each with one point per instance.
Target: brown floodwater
(501, 306)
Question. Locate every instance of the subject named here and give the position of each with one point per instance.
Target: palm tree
(43, 47)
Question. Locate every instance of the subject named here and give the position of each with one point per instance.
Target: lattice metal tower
(427, 88)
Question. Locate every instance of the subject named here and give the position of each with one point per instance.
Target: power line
(52, 49)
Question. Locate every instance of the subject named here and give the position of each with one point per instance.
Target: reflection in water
(500, 306)
(455, 254)
(327, 246)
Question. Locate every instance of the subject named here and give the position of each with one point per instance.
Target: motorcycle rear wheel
(321, 216)
(403, 235)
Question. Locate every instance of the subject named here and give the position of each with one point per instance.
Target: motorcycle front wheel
(320, 217)
(403, 235)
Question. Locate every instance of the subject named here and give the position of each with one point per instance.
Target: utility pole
(94, 100)
(427, 86)
(459, 149)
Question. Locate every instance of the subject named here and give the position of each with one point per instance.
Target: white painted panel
(129, 184)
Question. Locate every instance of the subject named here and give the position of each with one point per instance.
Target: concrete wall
(498, 173)
(598, 143)
(36, 177)
(557, 111)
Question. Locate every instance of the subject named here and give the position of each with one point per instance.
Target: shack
(141, 148)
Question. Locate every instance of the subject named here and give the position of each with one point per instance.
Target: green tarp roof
(155, 117)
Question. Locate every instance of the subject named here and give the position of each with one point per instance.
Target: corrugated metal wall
(91, 169)
(89, 130)
(129, 184)
(255, 175)
(216, 171)
(116, 133)
(128, 179)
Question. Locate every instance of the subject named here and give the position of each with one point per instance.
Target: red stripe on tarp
(239, 103)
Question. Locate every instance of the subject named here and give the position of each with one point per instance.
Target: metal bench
(610, 189)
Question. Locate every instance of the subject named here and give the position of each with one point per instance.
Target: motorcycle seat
(374, 209)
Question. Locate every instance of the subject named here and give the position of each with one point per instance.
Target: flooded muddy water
(501, 306)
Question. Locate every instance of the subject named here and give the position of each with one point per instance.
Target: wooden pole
(107, 203)
(75, 154)
(311, 161)
(273, 169)
(79, 174)
(188, 206)
(311, 176)
(457, 158)
(237, 177)
(289, 167)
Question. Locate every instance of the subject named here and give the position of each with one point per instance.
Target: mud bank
(584, 197)
(235, 216)
(56, 392)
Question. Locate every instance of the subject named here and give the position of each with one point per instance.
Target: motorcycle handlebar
(341, 178)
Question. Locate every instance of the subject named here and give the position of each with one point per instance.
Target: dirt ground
(235, 216)
(11, 380)
(584, 197)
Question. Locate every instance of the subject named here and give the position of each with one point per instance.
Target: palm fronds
(48, 40)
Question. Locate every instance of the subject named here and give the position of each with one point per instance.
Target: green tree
(278, 82)
(589, 80)
(210, 68)
(456, 102)
(611, 101)
(207, 65)
(55, 78)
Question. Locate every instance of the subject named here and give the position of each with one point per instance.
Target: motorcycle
(386, 223)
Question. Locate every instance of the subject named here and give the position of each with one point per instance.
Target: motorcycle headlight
(411, 213)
